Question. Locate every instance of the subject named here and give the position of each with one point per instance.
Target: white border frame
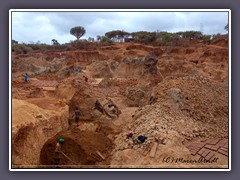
(117, 10)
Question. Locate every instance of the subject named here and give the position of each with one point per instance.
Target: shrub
(21, 49)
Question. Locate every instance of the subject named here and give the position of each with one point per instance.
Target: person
(98, 106)
(142, 138)
(26, 77)
(112, 108)
(139, 139)
(58, 151)
(77, 114)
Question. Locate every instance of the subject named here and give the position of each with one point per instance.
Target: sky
(30, 27)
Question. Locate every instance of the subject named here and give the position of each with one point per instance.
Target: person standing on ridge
(26, 77)
(77, 114)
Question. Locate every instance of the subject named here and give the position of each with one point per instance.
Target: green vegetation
(226, 27)
(78, 32)
(55, 42)
(21, 49)
(156, 38)
(116, 35)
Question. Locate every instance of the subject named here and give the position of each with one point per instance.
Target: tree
(90, 39)
(98, 38)
(226, 27)
(105, 39)
(116, 35)
(144, 36)
(78, 32)
(55, 42)
(14, 42)
(166, 37)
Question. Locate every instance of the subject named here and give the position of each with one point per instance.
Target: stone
(196, 130)
(38, 116)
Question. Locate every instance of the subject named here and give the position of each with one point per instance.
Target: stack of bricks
(207, 149)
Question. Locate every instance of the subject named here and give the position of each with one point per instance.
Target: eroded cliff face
(32, 124)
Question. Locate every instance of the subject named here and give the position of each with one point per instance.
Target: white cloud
(45, 26)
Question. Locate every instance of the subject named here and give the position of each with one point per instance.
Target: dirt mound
(78, 146)
(199, 98)
(135, 97)
(177, 67)
(129, 68)
(220, 42)
(31, 125)
(100, 69)
(85, 99)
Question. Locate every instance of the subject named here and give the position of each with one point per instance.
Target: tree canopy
(78, 31)
(116, 35)
(55, 42)
(226, 27)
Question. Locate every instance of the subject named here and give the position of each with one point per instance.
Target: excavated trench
(79, 148)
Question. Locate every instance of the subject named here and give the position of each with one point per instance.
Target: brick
(201, 151)
(212, 141)
(195, 148)
(222, 152)
(208, 146)
(205, 153)
(226, 153)
(226, 145)
(215, 147)
(193, 152)
(200, 145)
(210, 156)
(224, 149)
(222, 142)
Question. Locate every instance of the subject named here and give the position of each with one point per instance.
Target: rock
(196, 130)
(135, 147)
(175, 94)
(197, 134)
(164, 141)
(182, 121)
(39, 116)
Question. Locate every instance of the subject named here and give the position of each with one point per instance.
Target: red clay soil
(78, 146)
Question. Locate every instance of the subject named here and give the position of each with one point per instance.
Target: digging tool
(100, 155)
(68, 157)
(95, 156)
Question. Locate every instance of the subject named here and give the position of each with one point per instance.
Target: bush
(41, 47)
(21, 49)
(79, 44)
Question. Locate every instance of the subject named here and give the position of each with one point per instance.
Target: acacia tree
(116, 35)
(226, 27)
(78, 32)
(14, 42)
(55, 42)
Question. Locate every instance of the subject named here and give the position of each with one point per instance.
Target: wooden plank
(100, 155)
(147, 149)
(96, 157)
(154, 149)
